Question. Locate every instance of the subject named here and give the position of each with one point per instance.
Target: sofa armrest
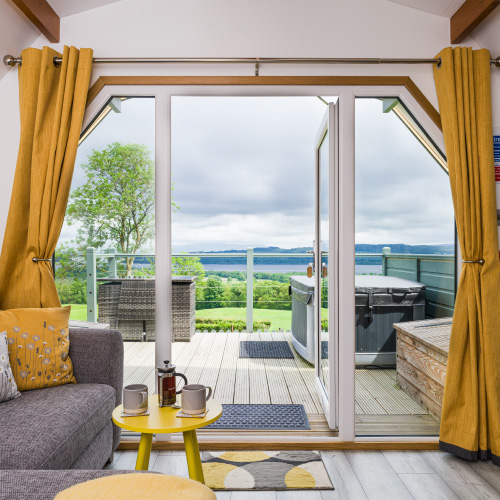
(97, 357)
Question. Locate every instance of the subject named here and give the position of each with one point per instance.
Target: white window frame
(345, 369)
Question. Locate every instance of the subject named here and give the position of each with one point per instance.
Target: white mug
(135, 398)
(194, 398)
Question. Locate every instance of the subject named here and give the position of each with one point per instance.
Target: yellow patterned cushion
(38, 341)
(138, 486)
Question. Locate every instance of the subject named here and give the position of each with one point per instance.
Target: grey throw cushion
(8, 386)
(49, 428)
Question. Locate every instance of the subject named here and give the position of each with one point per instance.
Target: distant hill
(361, 248)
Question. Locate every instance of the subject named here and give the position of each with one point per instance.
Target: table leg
(193, 456)
(144, 452)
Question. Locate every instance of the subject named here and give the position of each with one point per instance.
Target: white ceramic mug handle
(209, 393)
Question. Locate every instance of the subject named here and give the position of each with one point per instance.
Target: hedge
(227, 324)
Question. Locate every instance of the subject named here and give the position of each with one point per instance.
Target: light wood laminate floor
(364, 475)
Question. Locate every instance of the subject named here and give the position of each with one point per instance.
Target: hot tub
(380, 302)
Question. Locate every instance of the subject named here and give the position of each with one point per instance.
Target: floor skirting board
(299, 445)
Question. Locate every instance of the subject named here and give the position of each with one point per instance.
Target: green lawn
(278, 319)
(78, 312)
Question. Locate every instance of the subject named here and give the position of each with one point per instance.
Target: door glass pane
(110, 216)
(324, 235)
(405, 271)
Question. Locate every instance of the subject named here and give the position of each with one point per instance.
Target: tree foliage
(116, 203)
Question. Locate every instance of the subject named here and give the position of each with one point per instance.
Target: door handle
(310, 271)
(324, 271)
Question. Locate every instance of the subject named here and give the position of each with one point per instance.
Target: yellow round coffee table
(164, 421)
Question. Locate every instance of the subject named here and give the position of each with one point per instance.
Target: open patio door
(326, 263)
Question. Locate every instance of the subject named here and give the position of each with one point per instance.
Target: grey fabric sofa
(68, 427)
(46, 484)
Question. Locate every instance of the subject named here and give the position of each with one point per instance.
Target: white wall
(228, 28)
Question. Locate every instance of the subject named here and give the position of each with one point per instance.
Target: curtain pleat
(52, 103)
(470, 422)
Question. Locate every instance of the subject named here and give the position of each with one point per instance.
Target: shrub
(229, 324)
(71, 290)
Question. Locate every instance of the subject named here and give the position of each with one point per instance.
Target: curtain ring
(480, 261)
(36, 259)
(439, 62)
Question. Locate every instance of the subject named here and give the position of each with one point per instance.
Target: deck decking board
(298, 389)
(388, 395)
(224, 389)
(242, 379)
(278, 388)
(199, 360)
(306, 372)
(213, 359)
(367, 401)
(210, 373)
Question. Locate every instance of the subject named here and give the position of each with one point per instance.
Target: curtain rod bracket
(496, 62)
(257, 67)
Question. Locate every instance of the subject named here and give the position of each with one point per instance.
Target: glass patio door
(326, 262)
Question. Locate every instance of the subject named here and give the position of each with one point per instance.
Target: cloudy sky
(243, 169)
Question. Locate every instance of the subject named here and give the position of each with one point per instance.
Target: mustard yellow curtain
(52, 103)
(470, 423)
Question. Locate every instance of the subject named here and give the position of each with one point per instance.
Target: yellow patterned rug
(265, 470)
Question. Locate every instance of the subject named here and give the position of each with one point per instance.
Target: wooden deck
(212, 359)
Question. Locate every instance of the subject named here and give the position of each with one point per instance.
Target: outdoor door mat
(265, 470)
(265, 349)
(262, 417)
(324, 349)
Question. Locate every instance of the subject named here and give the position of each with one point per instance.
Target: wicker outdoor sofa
(129, 305)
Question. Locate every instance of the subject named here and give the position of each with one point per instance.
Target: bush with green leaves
(229, 324)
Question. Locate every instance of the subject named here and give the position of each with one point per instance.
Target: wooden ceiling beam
(470, 15)
(43, 16)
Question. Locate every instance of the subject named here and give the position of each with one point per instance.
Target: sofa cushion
(8, 386)
(38, 342)
(49, 428)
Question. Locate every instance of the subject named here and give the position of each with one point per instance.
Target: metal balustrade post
(385, 253)
(112, 269)
(91, 262)
(249, 289)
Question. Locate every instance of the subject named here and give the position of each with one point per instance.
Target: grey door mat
(265, 349)
(324, 349)
(262, 417)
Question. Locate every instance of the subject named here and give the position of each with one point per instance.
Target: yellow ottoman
(134, 486)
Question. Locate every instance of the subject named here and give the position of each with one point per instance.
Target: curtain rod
(12, 61)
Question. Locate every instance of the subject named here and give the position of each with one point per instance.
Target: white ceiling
(66, 8)
(445, 8)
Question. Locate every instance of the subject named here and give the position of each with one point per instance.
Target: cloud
(243, 170)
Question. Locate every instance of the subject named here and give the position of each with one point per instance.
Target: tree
(213, 292)
(116, 204)
(188, 266)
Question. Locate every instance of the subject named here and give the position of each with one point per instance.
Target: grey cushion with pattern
(8, 386)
